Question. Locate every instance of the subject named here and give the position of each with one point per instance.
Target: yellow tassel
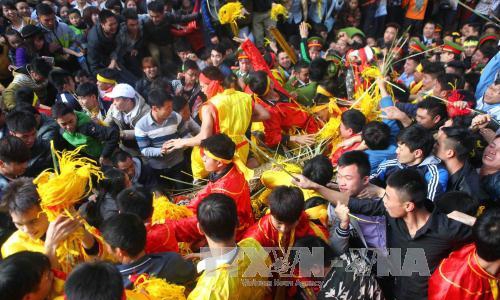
(278, 10)
(229, 13)
(163, 210)
(158, 288)
(331, 130)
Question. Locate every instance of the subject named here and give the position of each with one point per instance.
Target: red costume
(232, 184)
(285, 117)
(160, 238)
(268, 236)
(459, 276)
(334, 158)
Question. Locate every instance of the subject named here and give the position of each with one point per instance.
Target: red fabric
(334, 158)
(284, 117)
(460, 277)
(186, 229)
(455, 111)
(234, 185)
(161, 238)
(268, 236)
(259, 64)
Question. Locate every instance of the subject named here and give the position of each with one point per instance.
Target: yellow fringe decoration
(229, 13)
(158, 288)
(60, 191)
(278, 10)
(164, 210)
(331, 130)
(368, 101)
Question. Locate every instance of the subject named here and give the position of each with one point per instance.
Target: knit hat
(452, 47)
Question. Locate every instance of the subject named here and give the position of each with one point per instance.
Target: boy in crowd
(351, 125)
(65, 85)
(125, 239)
(138, 170)
(88, 97)
(14, 158)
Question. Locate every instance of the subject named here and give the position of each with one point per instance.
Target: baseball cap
(122, 90)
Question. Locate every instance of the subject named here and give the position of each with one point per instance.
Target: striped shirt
(150, 137)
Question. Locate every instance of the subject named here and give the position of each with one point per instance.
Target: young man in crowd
(138, 170)
(14, 158)
(88, 97)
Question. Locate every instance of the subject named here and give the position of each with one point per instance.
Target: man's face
(47, 21)
(183, 55)
(13, 169)
(163, 112)
(342, 47)
(123, 104)
(428, 82)
(150, 71)
(244, 65)
(350, 181)
(425, 119)
(492, 94)
(314, 52)
(491, 155)
(88, 102)
(446, 56)
(438, 90)
(303, 75)
(283, 227)
(396, 208)
(127, 167)
(441, 147)
(23, 9)
(404, 155)
(210, 164)
(477, 58)
(284, 60)
(469, 50)
(429, 30)
(28, 138)
(33, 222)
(9, 13)
(156, 17)
(67, 122)
(390, 34)
(191, 76)
(110, 26)
(132, 25)
(216, 58)
(410, 66)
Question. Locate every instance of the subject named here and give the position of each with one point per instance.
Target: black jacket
(160, 34)
(467, 180)
(100, 49)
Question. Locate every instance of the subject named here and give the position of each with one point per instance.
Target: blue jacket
(431, 168)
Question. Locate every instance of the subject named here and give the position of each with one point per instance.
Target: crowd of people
(159, 149)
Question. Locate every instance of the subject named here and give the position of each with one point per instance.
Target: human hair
(87, 15)
(40, 66)
(434, 107)
(213, 73)
(182, 46)
(126, 232)
(231, 82)
(417, 137)
(43, 9)
(472, 79)
(409, 185)
(432, 68)
(130, 14)
(318, 169)
(401, 93)
(58, 78)
(105, 14)
(486, 233)
(149, 61)
(21, 273)
(24, 95)
(136, 200)
(179, 103)
(74, 11)
(353, 119)
(87, 89)
(218, 48)
(488, 51)
(157, 6)
(358, 158)
(286, 203)
(301, 65)
(447, 81)
(108, 73)
(13, 150)
(456, 200)
(190, 65)
(120, 156)
(20, 195)
(376, 135)
(113, 4)
(219, 145)
(217, 217)
(257, 82)
(61, 109)
(113, 182)
(393, 25)
(158, 97)
(460, 140)
(20, 121)
(94, 281)
(318, 69)
(9, 4)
